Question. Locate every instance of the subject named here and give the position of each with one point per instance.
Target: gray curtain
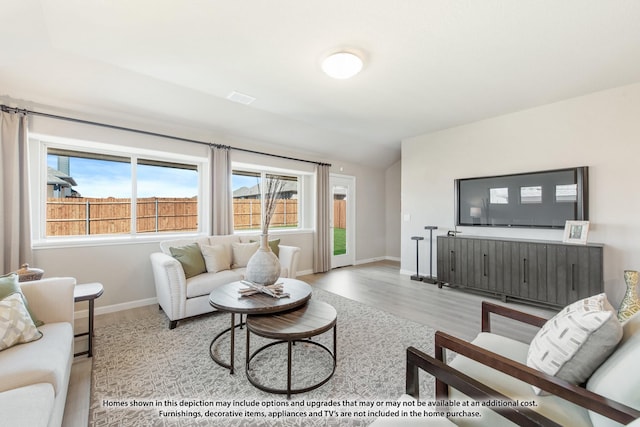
(322, 238)
(15, 212)
(221, 196)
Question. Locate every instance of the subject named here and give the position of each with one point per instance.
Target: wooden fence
(340, 213)
(247, 213)
(82, 215)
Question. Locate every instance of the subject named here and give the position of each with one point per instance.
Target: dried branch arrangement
(275, 290)
(273, 192)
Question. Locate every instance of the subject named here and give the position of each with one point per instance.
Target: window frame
(39, 190)
(302, 179)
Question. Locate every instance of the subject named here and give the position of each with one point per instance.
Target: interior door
(342, 221)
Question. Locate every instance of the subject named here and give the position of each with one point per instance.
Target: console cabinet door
(575, 272)
(443, 263)
(486, 257)
(531, 270)
(593, 272)
(460, 268)
(453, 260)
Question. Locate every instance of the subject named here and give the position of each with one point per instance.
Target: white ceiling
(429, 64)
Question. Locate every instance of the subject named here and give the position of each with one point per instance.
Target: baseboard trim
(304, 273)
(369, 260)
(117, 307)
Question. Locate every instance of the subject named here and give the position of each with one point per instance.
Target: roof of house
(287, 187)
(55, 177)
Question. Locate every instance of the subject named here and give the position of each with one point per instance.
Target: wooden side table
(88, 292)
(299, 325)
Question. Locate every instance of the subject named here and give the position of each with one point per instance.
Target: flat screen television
(544, 199)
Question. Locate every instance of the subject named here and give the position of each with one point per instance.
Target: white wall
(124, 268)
(392, 214)
(601, 130)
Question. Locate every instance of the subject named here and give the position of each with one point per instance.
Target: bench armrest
(489, 307)
(561, 388)
(417, 359)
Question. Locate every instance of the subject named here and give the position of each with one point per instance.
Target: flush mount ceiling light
(342, 65)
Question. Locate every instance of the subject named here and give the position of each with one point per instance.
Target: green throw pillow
(191, 259)
(274, 245)
(9, 284)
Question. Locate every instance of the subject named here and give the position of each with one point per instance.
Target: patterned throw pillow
(573, 343)
(9, 284)
(16, 326)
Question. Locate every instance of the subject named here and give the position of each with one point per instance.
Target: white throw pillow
(16, 325)
(573, 343)
(216, 258)
(242, 252)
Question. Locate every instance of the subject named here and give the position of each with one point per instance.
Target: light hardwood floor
(378, 284)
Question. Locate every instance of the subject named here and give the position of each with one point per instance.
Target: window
(249, 187)
(566, 193)
(97, 193)
(529, 195)
(499, 196)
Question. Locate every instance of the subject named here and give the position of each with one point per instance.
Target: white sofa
(34, 377)
(181, 297)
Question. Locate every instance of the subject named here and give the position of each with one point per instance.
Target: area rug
(147, 375)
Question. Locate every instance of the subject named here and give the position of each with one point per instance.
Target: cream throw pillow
(573, 343)
(16, 325)
(216, 258)
(242, 252)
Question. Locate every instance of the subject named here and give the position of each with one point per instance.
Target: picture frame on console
(576, 232)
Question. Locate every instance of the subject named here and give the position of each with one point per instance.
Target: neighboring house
(289, 191)
(59, 184)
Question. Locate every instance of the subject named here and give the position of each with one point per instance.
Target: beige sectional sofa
(34, 376)
(181, 296)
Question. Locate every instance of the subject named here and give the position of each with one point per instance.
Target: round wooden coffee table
(298, 325)
(227, 298)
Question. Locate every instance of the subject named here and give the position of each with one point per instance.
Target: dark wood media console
(547, 273)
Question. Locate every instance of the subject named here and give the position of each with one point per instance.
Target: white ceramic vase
(264, 266)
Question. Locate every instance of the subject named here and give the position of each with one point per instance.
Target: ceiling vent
(240, 98)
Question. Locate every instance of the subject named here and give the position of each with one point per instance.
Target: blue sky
(238, 181)
(104, 178)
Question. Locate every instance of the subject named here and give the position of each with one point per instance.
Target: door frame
(349, 182)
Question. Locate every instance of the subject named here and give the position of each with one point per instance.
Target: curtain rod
(8, 109)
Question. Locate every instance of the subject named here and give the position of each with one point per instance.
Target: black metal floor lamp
(417, 276)
(430, 278)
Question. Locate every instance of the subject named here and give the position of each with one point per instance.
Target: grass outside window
(339, 241)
